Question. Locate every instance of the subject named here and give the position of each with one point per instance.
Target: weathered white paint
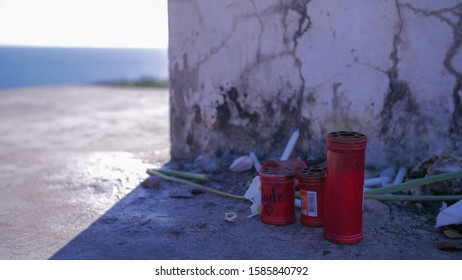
(246, 74)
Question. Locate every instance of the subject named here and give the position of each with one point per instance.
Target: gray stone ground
(72, 159)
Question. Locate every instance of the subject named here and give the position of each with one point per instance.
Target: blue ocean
(44, 66)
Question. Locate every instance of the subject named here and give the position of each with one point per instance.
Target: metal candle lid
(346, 140)
(313, 173)
(277, 172)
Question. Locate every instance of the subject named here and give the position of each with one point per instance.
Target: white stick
(375, 181)
(290, 145)
(256, 162)
(400, 176)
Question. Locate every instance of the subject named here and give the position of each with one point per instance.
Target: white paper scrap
(253, 194)
(450, 216)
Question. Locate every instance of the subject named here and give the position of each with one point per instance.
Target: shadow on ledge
(149, 224)
(169, 221)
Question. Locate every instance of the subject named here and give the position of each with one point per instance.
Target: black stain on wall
(233, 95)
(455, 128)
(402, 124)
(184, 82)
(282, 117)
(190, 139)
(397, 101)
(197, 114)
(232, 108)
(266, 131)
(223, 115)
(279, 137)
(304, 21)
(269, 111)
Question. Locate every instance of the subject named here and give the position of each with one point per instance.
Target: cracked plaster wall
(245, 74)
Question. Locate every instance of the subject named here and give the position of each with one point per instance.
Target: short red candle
(277, 195)
(312, 193)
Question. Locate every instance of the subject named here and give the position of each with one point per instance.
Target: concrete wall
(245, 74)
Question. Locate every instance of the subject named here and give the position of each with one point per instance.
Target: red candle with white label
(312, 195)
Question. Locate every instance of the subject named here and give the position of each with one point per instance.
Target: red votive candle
(345, 186)
(312, 193)
(277, 195)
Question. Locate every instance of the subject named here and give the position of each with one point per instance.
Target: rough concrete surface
(72, 159)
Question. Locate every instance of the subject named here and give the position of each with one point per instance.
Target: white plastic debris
(253, 194)
(444, 205)
(298, 203)
(451, 215)
(241, 164)
(230, 217)
(290, 145)
(388, 173)
(387, 178)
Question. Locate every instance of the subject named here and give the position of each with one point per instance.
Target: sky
(84, 23)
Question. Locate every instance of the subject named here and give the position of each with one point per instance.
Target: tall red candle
(345, 186)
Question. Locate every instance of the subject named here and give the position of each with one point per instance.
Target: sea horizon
(29, 66)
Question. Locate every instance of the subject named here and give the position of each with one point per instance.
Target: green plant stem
(390, 197)
(178, 180)
(181, 174)
(417, 182)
